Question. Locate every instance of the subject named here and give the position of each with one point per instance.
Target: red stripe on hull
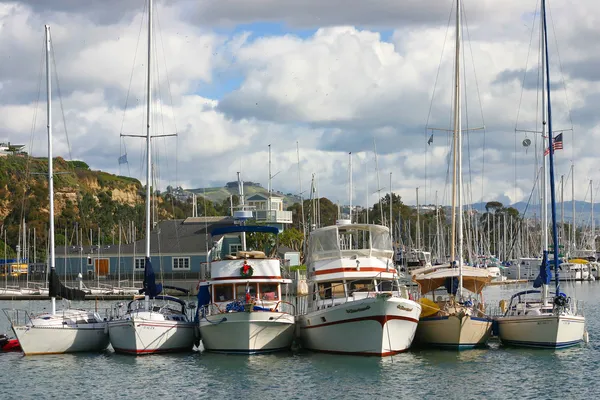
(382, 319)
(351, 269)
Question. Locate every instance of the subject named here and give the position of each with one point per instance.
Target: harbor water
(495, 372)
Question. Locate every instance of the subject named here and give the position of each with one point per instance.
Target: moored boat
(355, 303)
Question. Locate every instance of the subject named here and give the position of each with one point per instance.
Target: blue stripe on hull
(541, 345)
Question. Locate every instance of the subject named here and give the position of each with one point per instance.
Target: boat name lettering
(355, 310)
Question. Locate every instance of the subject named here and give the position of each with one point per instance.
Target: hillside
(87, 203)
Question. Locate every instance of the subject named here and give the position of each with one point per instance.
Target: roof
(262, 197)
(169, 237)
(431, 278)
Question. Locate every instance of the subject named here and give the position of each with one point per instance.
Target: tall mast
(350, 184)
(418, 227)
(458, 139)
(148, 118)
(593, 222)
(50, 166)
(573, 224)
(544, 174)
(391, 210)
(551, 154)
(300, 190)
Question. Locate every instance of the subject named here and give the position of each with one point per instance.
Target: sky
(314, 79)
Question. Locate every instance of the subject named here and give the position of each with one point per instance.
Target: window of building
(181, 263)
(234, 248)
(223, 292)
(140, 263)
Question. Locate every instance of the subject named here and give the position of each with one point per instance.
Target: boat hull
(247, 332)
(376, 326)
(140, 336)
(453, 331)
(543, 331)
(36, 340)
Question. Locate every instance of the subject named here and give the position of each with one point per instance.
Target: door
(101, 266)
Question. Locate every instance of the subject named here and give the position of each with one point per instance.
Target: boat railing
(17, 317)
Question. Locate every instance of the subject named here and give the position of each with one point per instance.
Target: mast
(50, 166)
(573, 224)
(300, 190)
(391, 210)
(551, 154)
(269, 188)
(544, 174)
(593, 222)
(418, 227)
(350, 185)
(562, 209)
(458, 149)
(148, 146)
(148, 118)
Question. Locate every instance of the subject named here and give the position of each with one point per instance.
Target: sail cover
(150, 288)
(57, 289)
(545, 275)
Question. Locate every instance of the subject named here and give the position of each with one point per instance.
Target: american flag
(557, 144)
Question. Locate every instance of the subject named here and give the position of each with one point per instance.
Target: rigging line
(437, 75)
(479, 99)
(133, 69)
(562, 76)
(526, 207)
(62, 109)
(166, 70)
(32, 130)
(468, 197)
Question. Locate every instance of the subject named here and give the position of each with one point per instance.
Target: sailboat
(67, 330)
(159, 323)
(453, 318)
(537, 318)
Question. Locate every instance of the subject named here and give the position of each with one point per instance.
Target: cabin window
(386, 286)
(328, 290)
(240, 290)
(269, 290)
(362, 286)
(181, 263)
(223, 292)
(140, 263)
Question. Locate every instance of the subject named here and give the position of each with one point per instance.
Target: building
(270, 215)
(179, 249)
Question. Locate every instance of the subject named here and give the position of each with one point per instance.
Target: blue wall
(160, 263)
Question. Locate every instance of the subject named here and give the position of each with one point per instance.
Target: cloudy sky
(336, 76)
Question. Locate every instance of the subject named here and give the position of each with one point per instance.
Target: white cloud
(333, 91)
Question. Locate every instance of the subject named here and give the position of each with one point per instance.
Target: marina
(405, 375)
(114, 286)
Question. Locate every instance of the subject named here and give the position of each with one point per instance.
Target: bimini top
(474, 279)
(244, 228)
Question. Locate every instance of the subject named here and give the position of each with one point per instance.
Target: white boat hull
(376, 326)
(247, 332)
(141, 336)
(546, 331)
(453, 332)
(57, 340)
